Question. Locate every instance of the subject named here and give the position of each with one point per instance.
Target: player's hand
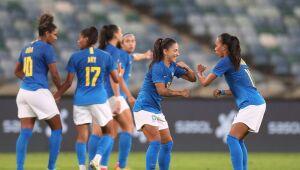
(201, 68)
(57, 97)
(148, 54)
(185, 93)
(117, 105)
(217, 93)
(131, 101)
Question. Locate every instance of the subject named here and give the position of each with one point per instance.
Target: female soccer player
(110, 36)
(128, 45)
(90, 99)
(147, 109)
(251, 104)
(34, 99)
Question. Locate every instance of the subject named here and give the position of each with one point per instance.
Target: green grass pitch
(180, 161)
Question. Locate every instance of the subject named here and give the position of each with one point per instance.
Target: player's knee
(167, 146)
(82, 138)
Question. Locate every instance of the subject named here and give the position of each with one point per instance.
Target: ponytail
(233, 45)
(106, 34)
(157, 52)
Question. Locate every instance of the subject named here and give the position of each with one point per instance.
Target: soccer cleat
(118, 168)
(94, 165)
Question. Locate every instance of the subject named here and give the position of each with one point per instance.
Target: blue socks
(21, 147)
(104, 144)
(54, 147)
(245, 155)
(124, 148)
(92, 145)
(238, 153)
(152, 154)
(165, 155)
(81, 152)
(106, 155)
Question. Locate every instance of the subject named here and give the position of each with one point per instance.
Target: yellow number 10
(88, 71)
(27, 67)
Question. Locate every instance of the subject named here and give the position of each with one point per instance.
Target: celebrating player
(90, 100)
(110, 36)
(128, 45)
(34, 99)
(148, 115)
(249, 101)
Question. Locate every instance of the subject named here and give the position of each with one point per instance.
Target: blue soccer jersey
(240, 83)
(115, 55)
(126, 64)
(148, 98)
(35, 58)
(90, 66)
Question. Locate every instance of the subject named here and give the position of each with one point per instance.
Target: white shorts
(144, 117)
(124, 104)
(252, 116)
(39, 103)
(84, 114)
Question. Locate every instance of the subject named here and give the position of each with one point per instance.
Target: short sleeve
(50, 55)
(20, 59)
(71, 65)
(157, 73)
(222, 66)
(179, 72)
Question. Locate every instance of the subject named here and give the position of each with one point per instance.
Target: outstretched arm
(205, 81)
(141, 56)
(190, 75)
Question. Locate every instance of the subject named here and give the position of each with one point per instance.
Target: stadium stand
(269, 32)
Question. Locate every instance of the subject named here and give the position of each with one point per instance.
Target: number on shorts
(88, 71)
(27, 67)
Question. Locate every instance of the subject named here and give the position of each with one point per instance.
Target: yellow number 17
(88, 71)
